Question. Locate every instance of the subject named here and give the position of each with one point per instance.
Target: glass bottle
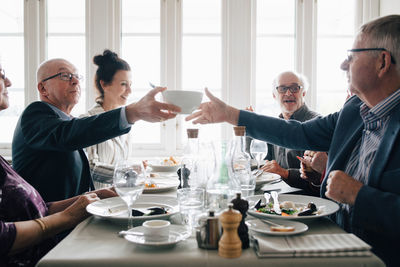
(241, 163)
(189, 160)
(221, 188)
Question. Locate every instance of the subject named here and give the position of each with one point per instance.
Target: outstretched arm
(214, 111)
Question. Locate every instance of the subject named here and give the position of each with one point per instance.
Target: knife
(276, 207)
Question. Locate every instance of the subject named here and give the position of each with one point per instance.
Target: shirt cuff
(123, 121)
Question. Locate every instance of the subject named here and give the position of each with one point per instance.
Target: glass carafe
(189, 160)
(241, 163)
(222, 187)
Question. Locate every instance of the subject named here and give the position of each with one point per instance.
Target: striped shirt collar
(381, 110)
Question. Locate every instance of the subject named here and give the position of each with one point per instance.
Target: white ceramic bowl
(188, 101)
(156, 229)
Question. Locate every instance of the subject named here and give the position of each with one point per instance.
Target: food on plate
(150, 184)
(149, 211)
(311, 208)
(171, 161)
(282, 228)
(288, 208)
(154, 175)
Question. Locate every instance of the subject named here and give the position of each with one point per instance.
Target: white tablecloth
(95, 242)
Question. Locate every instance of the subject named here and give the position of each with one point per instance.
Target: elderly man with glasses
(289, 89)
(48, 141)
(362, 139)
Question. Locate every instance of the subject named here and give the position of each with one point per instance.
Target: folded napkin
(322, 245)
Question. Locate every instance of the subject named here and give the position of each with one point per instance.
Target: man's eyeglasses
(293, 89)
(351, 51)
(65, 76)
(2, 74)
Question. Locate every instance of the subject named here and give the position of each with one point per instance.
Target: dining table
(95, 242)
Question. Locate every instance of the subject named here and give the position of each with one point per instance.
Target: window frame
(103, 30)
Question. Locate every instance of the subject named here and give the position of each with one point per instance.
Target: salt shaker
(229, 245)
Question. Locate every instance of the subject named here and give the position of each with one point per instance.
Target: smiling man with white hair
(289, 89)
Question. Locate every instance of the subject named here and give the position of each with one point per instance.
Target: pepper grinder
(242, 205)
(229, 245)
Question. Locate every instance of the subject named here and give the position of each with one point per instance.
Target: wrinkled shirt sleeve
(8, 233)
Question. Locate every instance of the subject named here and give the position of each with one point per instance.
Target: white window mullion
(306, 41)
(170, 10)
(34, 46)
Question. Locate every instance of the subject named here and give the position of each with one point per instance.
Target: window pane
(201, 62)
(141, 16)
(201, 16)
(201, 56)
(141, 49)
(335, 35)
(66, 39)
(12, 60)
(275, 43)
(66, 16)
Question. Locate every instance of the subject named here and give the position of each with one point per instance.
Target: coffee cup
(156, 229)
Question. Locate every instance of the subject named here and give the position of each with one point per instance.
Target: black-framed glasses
(292, 88)
(65, 76)
(351, 51)
(3, 74)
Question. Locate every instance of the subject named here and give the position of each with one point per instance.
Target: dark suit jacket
(287, 158)
(47, 148)
(376, 212)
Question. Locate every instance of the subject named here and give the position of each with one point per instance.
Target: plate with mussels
(291, 207)
(146, 207)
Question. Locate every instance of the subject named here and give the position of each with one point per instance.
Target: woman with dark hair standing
(113, 82)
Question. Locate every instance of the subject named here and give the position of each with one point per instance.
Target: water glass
(191, 204)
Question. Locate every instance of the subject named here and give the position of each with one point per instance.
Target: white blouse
(105, 155)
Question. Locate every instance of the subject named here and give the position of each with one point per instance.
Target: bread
(282, 228)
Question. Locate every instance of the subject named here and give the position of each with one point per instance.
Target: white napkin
(323, 245)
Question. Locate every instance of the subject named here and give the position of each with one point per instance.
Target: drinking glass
(258, 150)
(191, 203)
(129, 179)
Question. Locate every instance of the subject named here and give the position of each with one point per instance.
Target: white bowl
(188, 101)
(156, 229)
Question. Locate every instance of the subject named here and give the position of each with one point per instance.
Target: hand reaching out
(214, 111)
(148, 109)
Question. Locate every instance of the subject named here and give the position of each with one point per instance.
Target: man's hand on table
(342, 187)
(274, 167)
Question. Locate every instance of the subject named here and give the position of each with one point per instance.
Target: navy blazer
(376, 212)
(47, 148)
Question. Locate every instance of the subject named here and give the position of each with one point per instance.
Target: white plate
(267, 177)
(115, 208)
(161, 187)
(177, 233)
(263, 228)
(324, 206)
(163, 168)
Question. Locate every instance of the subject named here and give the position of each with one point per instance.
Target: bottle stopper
(192, 133)
(239, 130)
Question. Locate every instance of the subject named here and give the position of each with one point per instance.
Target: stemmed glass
(258, 150)
(129, 179)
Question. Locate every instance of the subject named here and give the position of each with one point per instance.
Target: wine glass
(258, 150)
(129, 180)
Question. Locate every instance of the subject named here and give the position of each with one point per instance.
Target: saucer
(177, 233)
(263, 228)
